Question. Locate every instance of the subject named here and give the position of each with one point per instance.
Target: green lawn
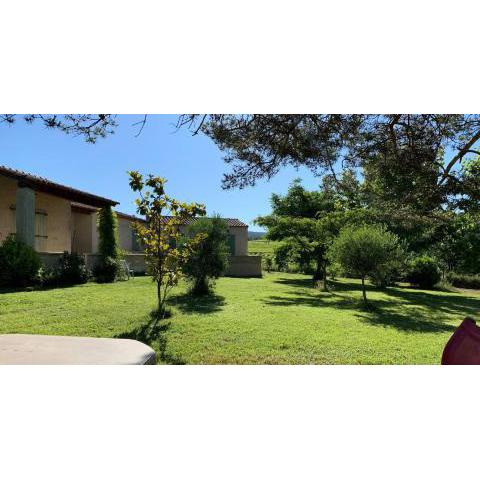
(261, 246)
(277, 319)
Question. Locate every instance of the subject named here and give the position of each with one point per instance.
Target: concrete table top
(20, 349)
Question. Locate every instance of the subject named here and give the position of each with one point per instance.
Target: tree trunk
(325, 284)
(159, 297)
(317, 275)
(363, 289)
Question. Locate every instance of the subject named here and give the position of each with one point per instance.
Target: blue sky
(193, 166)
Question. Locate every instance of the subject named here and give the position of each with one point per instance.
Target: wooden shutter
(40, 231)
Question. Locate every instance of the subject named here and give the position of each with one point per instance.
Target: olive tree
(364, 250)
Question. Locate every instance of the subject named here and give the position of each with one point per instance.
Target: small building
(54, 218)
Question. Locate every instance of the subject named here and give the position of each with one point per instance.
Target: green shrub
(106, 270)
(209, 257)
(71, 270)
(19, 264)
(461, 280)
(424, 272)
(267, 262)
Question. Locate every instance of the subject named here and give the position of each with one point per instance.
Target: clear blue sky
(193, 166)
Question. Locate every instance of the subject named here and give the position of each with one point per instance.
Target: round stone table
(20, 349)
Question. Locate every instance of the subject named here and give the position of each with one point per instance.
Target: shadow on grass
(405, 309)
(203, 304)
(37, 288)
(154, 334)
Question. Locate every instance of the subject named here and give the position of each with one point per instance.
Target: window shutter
(40, 231)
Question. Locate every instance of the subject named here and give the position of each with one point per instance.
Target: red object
(463, 348)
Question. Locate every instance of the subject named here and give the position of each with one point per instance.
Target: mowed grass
(261, 246)
(278, 319)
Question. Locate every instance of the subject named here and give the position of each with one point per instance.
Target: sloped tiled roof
(232, 222)
(41, 184)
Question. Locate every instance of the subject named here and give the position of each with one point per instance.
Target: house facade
(54, 218)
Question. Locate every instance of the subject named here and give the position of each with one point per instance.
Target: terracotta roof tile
(232, 222)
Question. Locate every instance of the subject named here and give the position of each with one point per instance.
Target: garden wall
(240, 265)
(245, 266)
(136, 261)
(50, 260)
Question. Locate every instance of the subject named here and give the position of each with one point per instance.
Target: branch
(461, 153)
(142, 124)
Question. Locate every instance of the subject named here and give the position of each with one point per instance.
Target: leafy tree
(294, 221)
(161, 233)
(306, 222)
(458, 244)
(209, 256)
(364, 250)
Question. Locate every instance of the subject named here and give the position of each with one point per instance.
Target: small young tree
(209, 258)
(160, 234)
(364, 250)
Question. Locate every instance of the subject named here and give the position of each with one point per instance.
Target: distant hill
(255, 235)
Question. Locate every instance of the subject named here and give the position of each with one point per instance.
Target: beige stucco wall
(58, 221)
(125, 234)
(244, 266)
(241, 239)
(82, 232)
(8, 188)
(58, 218)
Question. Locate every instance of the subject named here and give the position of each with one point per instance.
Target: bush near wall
(19, 264)
(71, 270)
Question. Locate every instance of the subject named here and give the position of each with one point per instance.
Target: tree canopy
(421, 162)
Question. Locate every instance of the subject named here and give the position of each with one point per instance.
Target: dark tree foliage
(403, 156)
(91, 126)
